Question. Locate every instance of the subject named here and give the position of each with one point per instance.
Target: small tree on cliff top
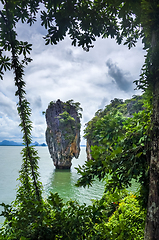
(83, 21)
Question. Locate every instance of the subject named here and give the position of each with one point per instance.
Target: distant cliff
(63, 132)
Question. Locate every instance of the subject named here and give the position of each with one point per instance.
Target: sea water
(60, 181)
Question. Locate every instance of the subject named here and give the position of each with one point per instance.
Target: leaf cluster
(84, 21)
(65, 117)
(11, 13)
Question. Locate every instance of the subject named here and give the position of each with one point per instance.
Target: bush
(127, 222)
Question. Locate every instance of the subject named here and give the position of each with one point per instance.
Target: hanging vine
(30, 185)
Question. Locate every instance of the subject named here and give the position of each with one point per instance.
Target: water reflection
(63, 182)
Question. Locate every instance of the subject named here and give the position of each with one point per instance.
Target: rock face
(88, 149)
(63, 132)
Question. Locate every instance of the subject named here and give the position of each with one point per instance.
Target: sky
(66, 72)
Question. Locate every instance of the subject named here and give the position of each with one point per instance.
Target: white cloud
(9, 129)
(65, 72)
(8, 107)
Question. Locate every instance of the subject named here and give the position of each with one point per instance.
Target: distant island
(12, 143)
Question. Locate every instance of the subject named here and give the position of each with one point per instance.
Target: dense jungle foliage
(115, 216)
(129, 151)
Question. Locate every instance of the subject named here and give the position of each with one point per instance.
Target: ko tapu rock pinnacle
(63, 132)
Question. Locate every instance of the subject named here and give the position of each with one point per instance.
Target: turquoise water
(61, 181)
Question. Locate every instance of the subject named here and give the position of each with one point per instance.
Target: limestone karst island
(63, 132)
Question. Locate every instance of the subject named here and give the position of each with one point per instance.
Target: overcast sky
(65, 72)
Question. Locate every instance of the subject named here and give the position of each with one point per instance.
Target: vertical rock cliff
(63, 132)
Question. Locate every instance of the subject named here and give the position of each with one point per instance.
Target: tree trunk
(152, 220)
